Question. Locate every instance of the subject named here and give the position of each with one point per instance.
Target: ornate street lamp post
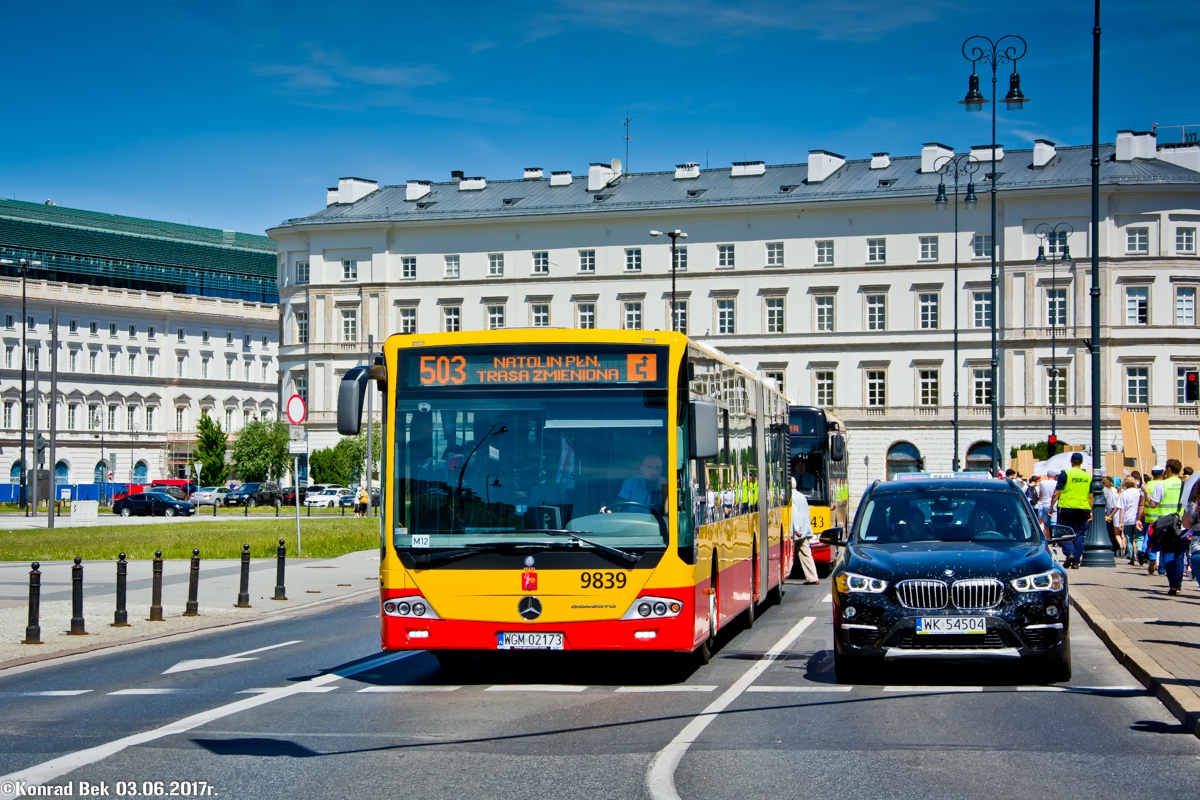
(1055, 236)
(675, 235)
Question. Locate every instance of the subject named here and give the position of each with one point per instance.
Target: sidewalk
(1155, 636)
(307, 581)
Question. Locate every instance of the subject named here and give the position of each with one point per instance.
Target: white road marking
(57, 767)
(933, 689)
(660, 779)
(58, 693)
(682, 687)
(391, 689)
(534, 687)
(143, 691)
(827, 598)
(204, 663)
(311, 689)
(1081, 689)
(799, 688)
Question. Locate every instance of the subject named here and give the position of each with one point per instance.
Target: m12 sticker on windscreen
(552, 369)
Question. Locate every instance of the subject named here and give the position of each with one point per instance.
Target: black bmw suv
(949, 567)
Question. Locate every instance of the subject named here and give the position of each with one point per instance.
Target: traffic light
(1051, 445)
(1191, 386)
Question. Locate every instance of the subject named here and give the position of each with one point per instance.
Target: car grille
(923, 594)
(909, 640)
(982, 593)
(1042, 637)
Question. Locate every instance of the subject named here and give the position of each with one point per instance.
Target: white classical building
(837, 277)
(157, 323)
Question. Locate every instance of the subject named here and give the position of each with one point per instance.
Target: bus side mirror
(703, 430)
(837, 447)
(351, 393)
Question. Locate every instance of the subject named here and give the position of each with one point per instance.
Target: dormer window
(696, 192)
(786, 189)
(423, 206)
(886, 182)
(511, 201)
(598, 198)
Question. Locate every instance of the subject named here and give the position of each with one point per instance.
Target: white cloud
(325, 74)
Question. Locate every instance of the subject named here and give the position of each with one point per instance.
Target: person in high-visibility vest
(1152, 513)
(1167, 498)
(1073, 497)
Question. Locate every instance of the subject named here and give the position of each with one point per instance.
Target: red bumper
(822, 553)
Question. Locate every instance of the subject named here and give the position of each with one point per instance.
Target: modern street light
(957, 167)
(1008, 49)
(675, 235)
(1055, 236)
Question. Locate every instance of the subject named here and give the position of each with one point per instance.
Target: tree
(1040, 450)
(328, 465)
(211, 446)
(261, 451)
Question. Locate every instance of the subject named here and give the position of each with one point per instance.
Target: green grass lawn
(324, 537)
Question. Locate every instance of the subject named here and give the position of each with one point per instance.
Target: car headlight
(1052, 581)
(849, 582)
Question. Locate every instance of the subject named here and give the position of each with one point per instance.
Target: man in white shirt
(1046, 487)
(802, 534)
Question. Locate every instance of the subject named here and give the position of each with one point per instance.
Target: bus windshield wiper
(632, 558)
(448, 555)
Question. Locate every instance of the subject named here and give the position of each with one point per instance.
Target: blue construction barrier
(11, 492)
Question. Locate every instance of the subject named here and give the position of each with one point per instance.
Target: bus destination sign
(549, 369)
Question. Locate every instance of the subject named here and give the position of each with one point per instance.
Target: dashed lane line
(391, 689)
(142, 691)
(934, 689)
(534, 687)
(682, 687)
(310, 689)
(799, 688)
(827, 598)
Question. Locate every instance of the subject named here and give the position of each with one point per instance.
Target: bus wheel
(776, 595)
(753, 589)
(702, 654)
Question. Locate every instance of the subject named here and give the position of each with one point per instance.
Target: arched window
(141, 471)
(14, 474)
(903, 457)
(100, 474)
(62, 474)
(979, 457)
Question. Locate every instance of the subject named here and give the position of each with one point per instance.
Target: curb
(1179, 700)
(102, 647)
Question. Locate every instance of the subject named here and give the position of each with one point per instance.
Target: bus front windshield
(524, 467)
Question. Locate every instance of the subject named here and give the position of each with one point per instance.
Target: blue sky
(240, 114)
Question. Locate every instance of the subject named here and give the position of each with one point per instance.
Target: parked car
(327, 498)
(288, 495)
(348, 502)
(153, 504)
(254, 494)
(209, 496)
(177, 492)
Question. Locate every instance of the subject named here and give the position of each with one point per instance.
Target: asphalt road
(321, 714)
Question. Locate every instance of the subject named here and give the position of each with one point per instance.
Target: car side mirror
(703, 430)
(831, 536)
(1060, 534)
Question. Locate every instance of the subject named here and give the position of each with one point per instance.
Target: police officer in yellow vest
(1073, 497)
(1164, 499)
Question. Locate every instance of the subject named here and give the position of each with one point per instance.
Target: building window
(1181, 374)
(178, 365)
(73, 359)
(133, 363)
(246, 371)
(726, 317)
(876, 387)
(301, 272)
(246, 342)
(680, 314)
(541, 263)
(774, 254)
(495, 317)
(681, 258)
(246, 417)
(981, 245)
(587, 261)
(451, 319)
(228, 419)
(928, 379)
(981, 305)
(1056, 308)
(133, 331)
(349, 325)
(1137, 241)
(1137, 305)
(265, 372)
(496, 265)
(112, 328)
(725, 256)
(179, 419)
(1056, 243)
(587, 315)
(149, 419)
(150, 359)
(408, 320)
(876, 312)
(179, 333)
(1185, 241)
(929, 248)
(204, 337)
(540, 312)
(112, 417)
(774, 375)
(301, 383)
(633, 259)
(633, 316)
(229, 340)
(72, 416)
(130, 414)
(229, 369)
(451, 267)
(265, 340)
(824, 386)
(112, 363)
(408, 267)
(824, 308)
(301, 327)
(349, 269)
(9, 406)
(774, 307)
(1185, 305)
(825, 252)
(927, 303)
(92, 356)
(981, 386)
(876, 251)
(31, 359)
(150, 331)
(1137, 386)
(1056, 386)
(9, 322)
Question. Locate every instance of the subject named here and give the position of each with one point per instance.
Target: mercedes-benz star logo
(530, 608)
(529, 561)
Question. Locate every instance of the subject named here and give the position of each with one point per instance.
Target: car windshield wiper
(449, 555)
(632, 558)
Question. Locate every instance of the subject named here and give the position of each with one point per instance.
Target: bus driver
(645, 489)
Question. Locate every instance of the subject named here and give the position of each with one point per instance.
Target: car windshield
(957, 514)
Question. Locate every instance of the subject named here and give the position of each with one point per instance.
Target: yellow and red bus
(818, 463)
(573, 490)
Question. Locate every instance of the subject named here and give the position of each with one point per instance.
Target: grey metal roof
(716, 188)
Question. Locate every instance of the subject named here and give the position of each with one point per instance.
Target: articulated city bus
(818, 462)
(573, 490)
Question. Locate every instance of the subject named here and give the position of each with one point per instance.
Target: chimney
(533, 173)
(600, 175)
(472, 184)
(1145, 144)
(1181, 154)
(931, 152)
(748, 169)
(561, 178)
(331, 195)
(456, 175)
(415, 190)
(1124, 145)
(880, 160)
(983, 153)
(687, 171)
(822, 164)
(1043, 152)
(349, 190)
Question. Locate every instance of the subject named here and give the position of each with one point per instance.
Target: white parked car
(207, 496)
(326, 498)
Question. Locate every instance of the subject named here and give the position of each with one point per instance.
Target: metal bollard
(307, 510)
(244, 590)
(214, 506)
(343, 508)
(280, 589)
(33, 631)
(77, 628)
(193, 606)
(156, 589)
(277, 505)
(246, 509)
(121, 615)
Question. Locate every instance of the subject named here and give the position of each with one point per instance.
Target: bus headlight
(654, 608)
(410, 607)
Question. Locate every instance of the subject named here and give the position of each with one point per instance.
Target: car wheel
(1059, 669)
(125, 512)
(848, 669)
(168, 512)
(252, 503)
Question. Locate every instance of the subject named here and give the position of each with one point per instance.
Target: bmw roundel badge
(530, 608)
(949, 573)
